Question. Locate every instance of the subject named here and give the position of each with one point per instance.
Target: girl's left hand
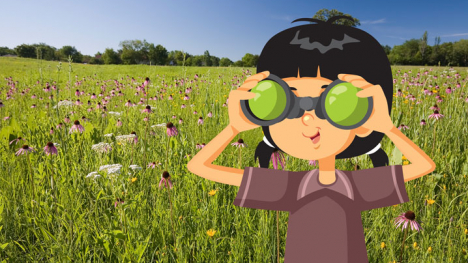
(380, 119)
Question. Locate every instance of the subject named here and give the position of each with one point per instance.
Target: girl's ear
(362, 132)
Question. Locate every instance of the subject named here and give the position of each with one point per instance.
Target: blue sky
(224, 28)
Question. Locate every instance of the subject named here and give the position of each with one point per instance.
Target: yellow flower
(406, 101)
(404, 158)
(382, 245)
(430, 201)
(180, 217)
(415, 245)
(133, 179)
(466, 231)
(211, 232)
(212, 192)
(405, 162)
(464, 251)
(434, 91)
(429, 249)
(119, 143)
(229, 252)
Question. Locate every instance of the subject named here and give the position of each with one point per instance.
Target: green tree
(67, 51)
(26, 51)
(238, 63)
(110, 57)
(44, 51)
(6, 51)
(423, 47)
(158, 54)
(206, 58)
(214, 61)
(460, 50)
(325, 14)
(387, 49)
(249, 60)
(225, 62)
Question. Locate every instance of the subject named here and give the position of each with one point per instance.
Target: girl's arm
(421, 164)
(201, 164)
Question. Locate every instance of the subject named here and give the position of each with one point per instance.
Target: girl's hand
(237, 119)
(379, 119)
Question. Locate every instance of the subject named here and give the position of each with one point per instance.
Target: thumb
(365, 93)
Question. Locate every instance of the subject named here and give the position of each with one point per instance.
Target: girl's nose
(307, 119)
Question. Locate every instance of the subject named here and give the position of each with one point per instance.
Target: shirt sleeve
(380, 187)
(268, 189)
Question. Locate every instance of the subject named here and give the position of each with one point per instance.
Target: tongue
(316, 139)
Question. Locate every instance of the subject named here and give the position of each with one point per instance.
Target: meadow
(68, 206)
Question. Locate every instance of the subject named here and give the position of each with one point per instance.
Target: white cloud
(456, 35)
(379, 21)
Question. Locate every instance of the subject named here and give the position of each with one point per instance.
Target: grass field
(50, 211)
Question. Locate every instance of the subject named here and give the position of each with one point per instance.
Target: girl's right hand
(237, 119)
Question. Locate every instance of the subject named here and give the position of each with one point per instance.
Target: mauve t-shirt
(325, 220)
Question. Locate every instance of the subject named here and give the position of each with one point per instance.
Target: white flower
(159, 125)
(64, 103)
(102, 147)
(135, 167)
(108, 135)
(93, 174)
(111, 168)
(56, 144)
(125, 138)
(115, 113)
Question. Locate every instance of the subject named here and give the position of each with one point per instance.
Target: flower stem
(403, 245)
(433, 140)
(277, 235)
(167, 151)
(172, 222)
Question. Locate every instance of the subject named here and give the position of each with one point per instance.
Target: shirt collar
(310, 183)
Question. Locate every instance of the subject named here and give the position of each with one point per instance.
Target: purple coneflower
(129, 103)
(24, 150)
(436, 115)
(50, 148)
(423, 122)
(174, 117)
(118, 201)
(399, 93)
(239, 143)
(67, 120)
(6, 118)
(147, 109)
(33, 106)
(147, 81)
(403, 127)
(51, 130)
(17, 140)
(170, 97)
(210, 114)
(277, 157)
(448, 90)
(200, 120)
(152, 165)
(186, 97)
(183, 106)
(76, 127)
(165, 178)
(135, 139)
(180, 121)
(407, 218)
(119, 123)
(84, 118)
(435, 107)
(171, 129)
(59, 126)
(313, 162)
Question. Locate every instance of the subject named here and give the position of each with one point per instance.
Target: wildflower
(211, 232)
(17, 140)
(111, 169)
(415, 245)
(429, 249)
(152, 165)
(67, 120)
(200, 120)
(118, 201)
(129, 103)
(435, 107)
(1, 104)
(423, 122)
(277, 157)
(76, 127)
(108, 135)
(312, 162)
(147, 109)
(382, 245)
(448, 90)
(165, 178)
(430, 201)
(180, 121)
(171, 129)
(102, 147)
(186, 97)
(407, 218)
(436, 115)
(403, 127)
(24, 150)
(195, 112)
(135, 167)
(210, 114)
(119, 123)
(239, 143)
(399, 93)
(8, 117)
(147, 81)
(50, 148)
(133, 179)
(183, 106)
(212, 192)
(93, 174)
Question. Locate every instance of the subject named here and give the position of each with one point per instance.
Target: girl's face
(309, 137)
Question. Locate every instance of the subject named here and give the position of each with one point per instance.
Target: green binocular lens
(274, 102)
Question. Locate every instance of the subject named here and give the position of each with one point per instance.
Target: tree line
(411, 52)
(130, 52)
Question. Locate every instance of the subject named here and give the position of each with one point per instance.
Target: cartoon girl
(325, 204)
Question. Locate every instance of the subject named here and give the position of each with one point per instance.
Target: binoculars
(338, 104)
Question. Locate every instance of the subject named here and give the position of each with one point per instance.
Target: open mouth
(315, 138)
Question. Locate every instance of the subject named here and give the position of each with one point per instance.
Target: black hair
(336, 49)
